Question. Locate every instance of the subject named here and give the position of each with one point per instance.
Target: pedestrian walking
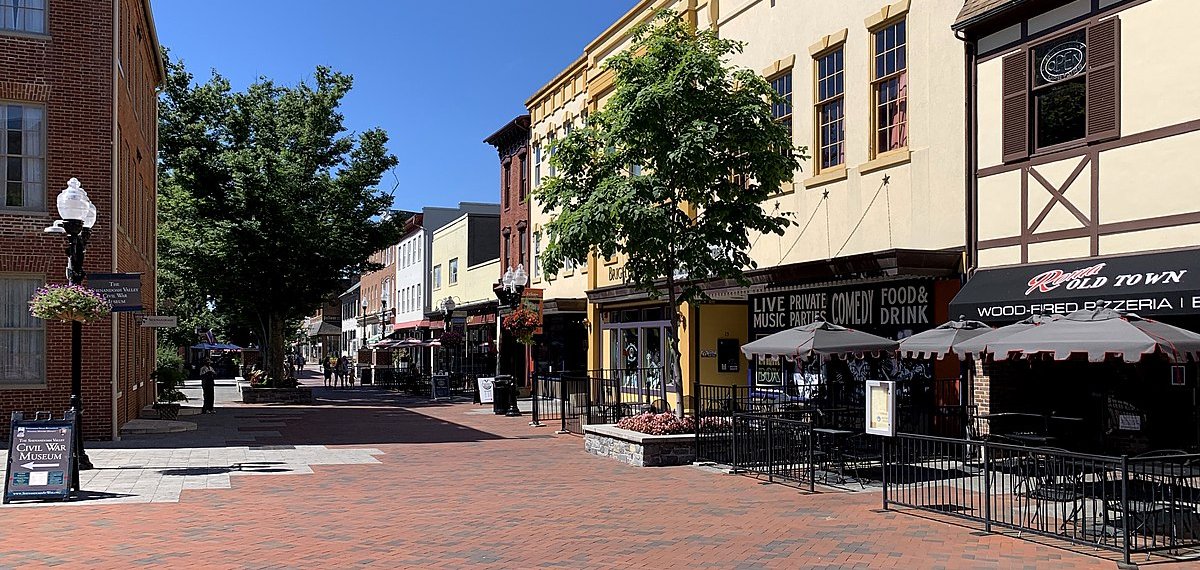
(208, 382)
(327, 368)
(343, 370)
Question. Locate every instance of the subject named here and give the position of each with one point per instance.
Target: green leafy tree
(269, 204)
(672, 172)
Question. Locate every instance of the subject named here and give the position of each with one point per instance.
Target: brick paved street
(460, 489)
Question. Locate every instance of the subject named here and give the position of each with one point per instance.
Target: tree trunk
(274, 353)
(673, 337)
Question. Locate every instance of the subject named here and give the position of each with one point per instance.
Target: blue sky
(438, 76)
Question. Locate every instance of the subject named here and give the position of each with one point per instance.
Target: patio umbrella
(939, 342)
(976, 347)
(818, 338)
(1100, 333)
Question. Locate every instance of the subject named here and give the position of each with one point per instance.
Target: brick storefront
(94, 74)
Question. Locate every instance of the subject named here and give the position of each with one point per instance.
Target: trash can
(501, 388)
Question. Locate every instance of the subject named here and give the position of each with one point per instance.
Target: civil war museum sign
(1152, 285)
(892, 309)
(40, 453)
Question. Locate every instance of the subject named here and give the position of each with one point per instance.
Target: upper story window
(782, 111)
(1062, 91)
(22, 336)
(23, 152)
(23, 15)
(521, 245)
(550, 144)
(536, 262)
(889, 89)
(454, 271)
(831, 109)
(537, 165)
(437, 276)
(507, 184)
(524, 188)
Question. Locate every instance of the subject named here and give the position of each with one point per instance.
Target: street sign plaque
(159, 322)
(122, 290)
(40, 453)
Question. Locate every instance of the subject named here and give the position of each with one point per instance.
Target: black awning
(1149, 284)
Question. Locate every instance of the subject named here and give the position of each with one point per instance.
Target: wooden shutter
(1103, 80)
(1015, 91)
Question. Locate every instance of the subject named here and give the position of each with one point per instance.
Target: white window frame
(37, 204)
(38, 280)
(452, 271)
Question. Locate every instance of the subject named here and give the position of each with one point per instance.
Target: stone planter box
(639, 449)
(298, 395)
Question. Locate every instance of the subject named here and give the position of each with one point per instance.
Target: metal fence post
(537, 402)
(883, 469)
(812, 466)
(735, 444)
(562, 403)
(770, 453)
(987, 488)
(1125, 508)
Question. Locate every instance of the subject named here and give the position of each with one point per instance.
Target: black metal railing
(1130, 505)
(778, 447)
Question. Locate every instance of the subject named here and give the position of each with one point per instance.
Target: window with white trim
(889, 88)
(22, 336)
(22, 156)
(23, 15)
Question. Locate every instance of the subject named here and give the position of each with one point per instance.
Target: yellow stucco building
(876, 93)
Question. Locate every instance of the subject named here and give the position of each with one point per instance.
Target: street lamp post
(512, 286)
(78, 215)
(447, 306)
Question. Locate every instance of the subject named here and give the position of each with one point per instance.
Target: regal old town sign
(1151, 285)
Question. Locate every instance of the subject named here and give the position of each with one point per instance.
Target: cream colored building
(1084, 194)
(465, 260)
(879, 202)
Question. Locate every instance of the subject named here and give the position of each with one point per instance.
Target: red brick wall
(512, 144)
(70, 73)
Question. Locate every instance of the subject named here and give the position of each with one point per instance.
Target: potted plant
(68, 303)
(170, 377)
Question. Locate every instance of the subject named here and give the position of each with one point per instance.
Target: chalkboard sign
(40, 453)
(440, 386)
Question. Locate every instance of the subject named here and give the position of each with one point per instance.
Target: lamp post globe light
(78, 216)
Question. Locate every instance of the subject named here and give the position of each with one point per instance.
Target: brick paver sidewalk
(457, 489)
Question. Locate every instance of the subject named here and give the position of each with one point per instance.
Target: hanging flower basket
(522, 323)
(68, 303)
(451, 338)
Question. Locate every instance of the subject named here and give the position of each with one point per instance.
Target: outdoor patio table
(835, 437)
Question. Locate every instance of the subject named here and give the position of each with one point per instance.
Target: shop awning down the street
(1151, 285)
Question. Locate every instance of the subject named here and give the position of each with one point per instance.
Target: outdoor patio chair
(1054, 481)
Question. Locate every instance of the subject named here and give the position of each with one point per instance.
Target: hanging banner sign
(892, 309)
(122, 290)
(40, 453)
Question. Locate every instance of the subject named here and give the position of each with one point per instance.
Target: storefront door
(636, 358)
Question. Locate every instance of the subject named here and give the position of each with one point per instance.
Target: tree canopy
(267, 204)
(671, 173)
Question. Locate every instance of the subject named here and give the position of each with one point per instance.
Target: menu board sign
(881, 407)
(485, 390)
(440, 384)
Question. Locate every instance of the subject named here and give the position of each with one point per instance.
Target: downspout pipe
(970, 162)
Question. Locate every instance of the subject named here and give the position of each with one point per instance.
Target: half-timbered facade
(1085, 128)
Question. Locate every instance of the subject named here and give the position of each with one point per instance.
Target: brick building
(77, 99)
(512, 144)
